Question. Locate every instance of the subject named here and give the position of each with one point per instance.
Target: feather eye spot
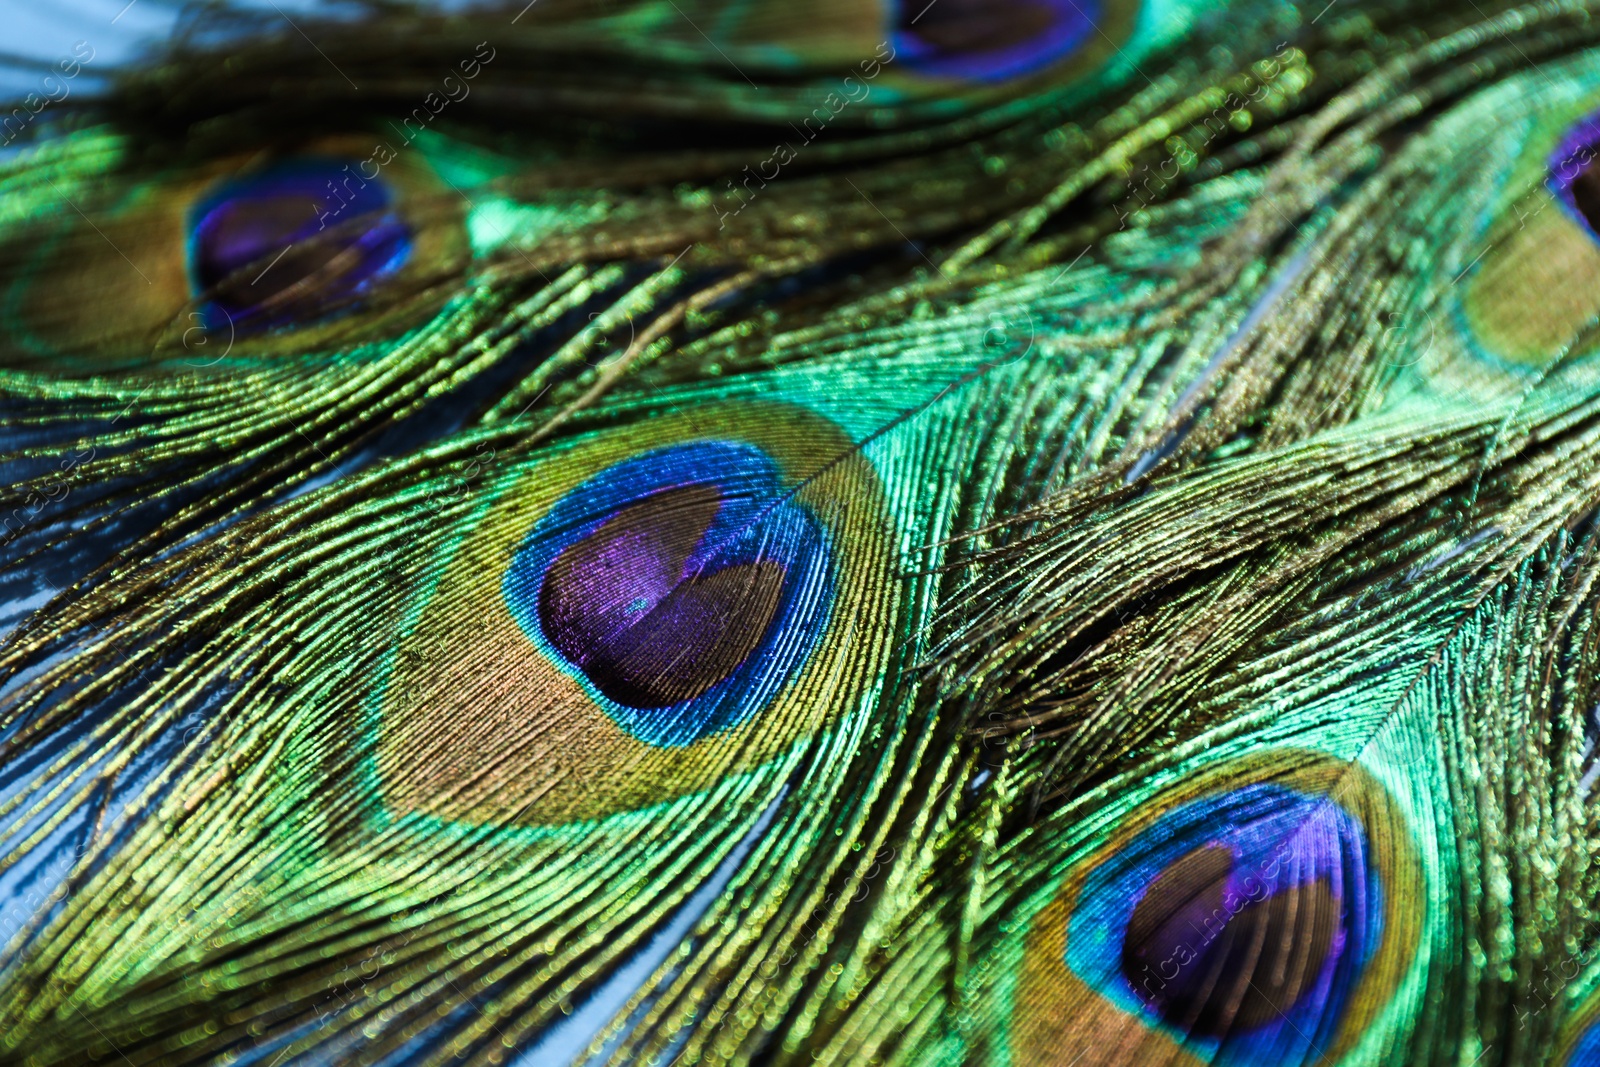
(1539, 248)
(246, 256)
(1259, 914)
(638, 617)
(1258, 953)
(1574, 175)
(672, 578)
(1266, 920)
(680, 587)
(988, 41)
(289, 243)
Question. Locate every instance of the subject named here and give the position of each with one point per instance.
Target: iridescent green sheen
(1077, 552)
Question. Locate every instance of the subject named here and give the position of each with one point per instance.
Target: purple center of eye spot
(648, 631)
(1212, 957)
(682, 587)
(1242, 920)
(1574, 173)
(291, 243)
(990, 40)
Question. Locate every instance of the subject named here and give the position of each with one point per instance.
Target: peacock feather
(1022, 533)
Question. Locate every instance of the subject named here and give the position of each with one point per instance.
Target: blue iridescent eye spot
(284, 245)
(1240, 922)
(681, 588)
(1574, 176)
(990, 40)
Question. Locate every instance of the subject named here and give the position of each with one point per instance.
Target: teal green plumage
(1092, 562)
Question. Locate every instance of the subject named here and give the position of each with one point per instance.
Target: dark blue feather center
(990, 40)
(683, 586)
(292, 243)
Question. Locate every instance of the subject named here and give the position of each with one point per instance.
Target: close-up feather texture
(1033, 533)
